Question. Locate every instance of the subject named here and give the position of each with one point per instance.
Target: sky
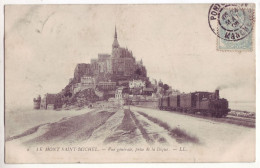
(44, 43)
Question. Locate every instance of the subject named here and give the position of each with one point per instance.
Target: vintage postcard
(130, 83)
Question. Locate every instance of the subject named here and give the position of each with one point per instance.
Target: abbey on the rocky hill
(101, 77)
(120, 65)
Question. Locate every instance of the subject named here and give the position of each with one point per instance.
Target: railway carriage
(188, 102)
(207, 103)
(164, 103)
(174, 102)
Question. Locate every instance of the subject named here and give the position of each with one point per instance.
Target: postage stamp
(233, 24)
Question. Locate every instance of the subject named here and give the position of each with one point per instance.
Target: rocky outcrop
(80, 70)
(83, 97)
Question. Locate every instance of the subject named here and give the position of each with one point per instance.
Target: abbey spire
(115, 33)
(115, 43)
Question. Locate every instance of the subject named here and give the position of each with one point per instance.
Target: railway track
(242, 121)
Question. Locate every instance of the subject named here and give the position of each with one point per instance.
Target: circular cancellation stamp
(231, 22)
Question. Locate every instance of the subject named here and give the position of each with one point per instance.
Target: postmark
(233, 25)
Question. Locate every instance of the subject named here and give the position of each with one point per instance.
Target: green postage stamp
(234, 25)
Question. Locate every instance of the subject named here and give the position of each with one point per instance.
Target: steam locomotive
(207, 103)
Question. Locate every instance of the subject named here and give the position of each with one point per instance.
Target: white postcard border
(152, 165)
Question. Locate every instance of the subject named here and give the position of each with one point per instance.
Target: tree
(138, 72)
(161, 84)
(165, 88)
(155, 90)
(67, 93)
(147, 84)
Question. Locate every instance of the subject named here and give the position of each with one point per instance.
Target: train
(206, 103)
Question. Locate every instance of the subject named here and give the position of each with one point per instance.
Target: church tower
(115, 43)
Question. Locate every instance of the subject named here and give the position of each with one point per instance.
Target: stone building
(106, 86)
(51, 101)
(136, 84)
(37, 102)
(148, 91)
(94, 66)
(43, 103)
(122, 60)
(86, 82)
(104, 61)
(81, 70)
(119, 94)
(121, 65)
(102, 64)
